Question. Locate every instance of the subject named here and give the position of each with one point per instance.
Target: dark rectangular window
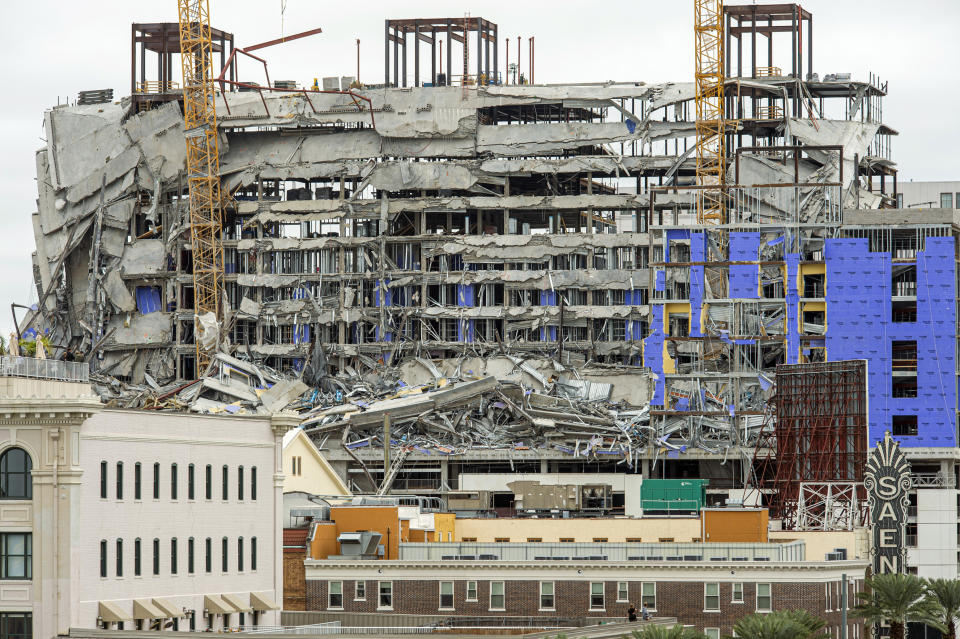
(226, 483)
(156, 556)
(16, 625)
(16, 556)
(253, 483)
(136, 481)
(946, 200)
(103, 557)
(208, 558)
(119, 480)
(240, 483)
(209, 493)
(253, 553)
(904, 355)
(173, 556)
(240, 554)
(190, 555)
(173, 481)
(103, 480)
(190, 488)
(156, 480)
(119, 558)
(905, 425)
(225, 559)
(136, 557)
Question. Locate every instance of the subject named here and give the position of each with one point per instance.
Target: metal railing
(157, 86)
(772, 112)
(769, 72)
(933, 480)
(600, 551)
(324, 628)
(11, 366)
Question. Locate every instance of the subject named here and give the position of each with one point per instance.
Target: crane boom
(711, 144)
(203, 174)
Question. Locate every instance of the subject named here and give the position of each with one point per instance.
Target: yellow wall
(735, 525)
(675, 308)
(317, 477)
(444, 523)
(820, 542)
(581, 530)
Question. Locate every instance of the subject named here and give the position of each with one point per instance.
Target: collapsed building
(509, 277)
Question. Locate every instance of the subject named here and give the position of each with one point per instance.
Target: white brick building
(133, 518)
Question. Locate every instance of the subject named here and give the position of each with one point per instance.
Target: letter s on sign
(888, 487)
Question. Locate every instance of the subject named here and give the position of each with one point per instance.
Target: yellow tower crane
(711, 145)
(203, 175)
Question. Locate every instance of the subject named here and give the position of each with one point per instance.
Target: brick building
(711, 595)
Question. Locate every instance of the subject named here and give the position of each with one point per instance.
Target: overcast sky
(53, 49)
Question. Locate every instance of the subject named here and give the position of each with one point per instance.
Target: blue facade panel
(653, 354)
(860, 326)
(744, 278)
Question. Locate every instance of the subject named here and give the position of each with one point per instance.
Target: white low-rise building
(133, 519)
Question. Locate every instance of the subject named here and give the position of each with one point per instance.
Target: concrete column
(280, 423)
(44, 418)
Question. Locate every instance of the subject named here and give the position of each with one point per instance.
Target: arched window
(240, 554)
(119, 557)
(15, 479)
(253, 553)
(103, 557)
(223, 554)
(190, 555)
(240, 483)
(253, 482)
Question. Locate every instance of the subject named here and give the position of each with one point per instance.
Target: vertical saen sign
(887, 480)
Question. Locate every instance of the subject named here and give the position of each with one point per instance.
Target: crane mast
(711, 144)
(203, 175)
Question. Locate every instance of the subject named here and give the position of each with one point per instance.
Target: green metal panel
(673, 494)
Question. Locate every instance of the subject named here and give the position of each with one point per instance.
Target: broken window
(679, 325)
(813, 285)
(904, 355)
(904, 425)
(904, 311)
(904, 280)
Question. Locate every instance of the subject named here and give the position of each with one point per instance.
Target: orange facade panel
(382, 519)
(734, 525)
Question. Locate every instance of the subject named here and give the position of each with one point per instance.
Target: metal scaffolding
(820, 435)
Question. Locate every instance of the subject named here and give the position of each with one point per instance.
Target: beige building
(132, 519)
(306, 469)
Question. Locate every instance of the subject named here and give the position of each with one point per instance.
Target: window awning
(144, 609)
(236, 602)
(262, 601)
(216, 605)
(167, 607)
(111, 611)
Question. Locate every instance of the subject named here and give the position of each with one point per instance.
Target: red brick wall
(294, 579)
(684, 600)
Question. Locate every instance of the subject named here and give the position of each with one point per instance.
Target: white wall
(140, 436)
(936, 552)
(921, 194)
